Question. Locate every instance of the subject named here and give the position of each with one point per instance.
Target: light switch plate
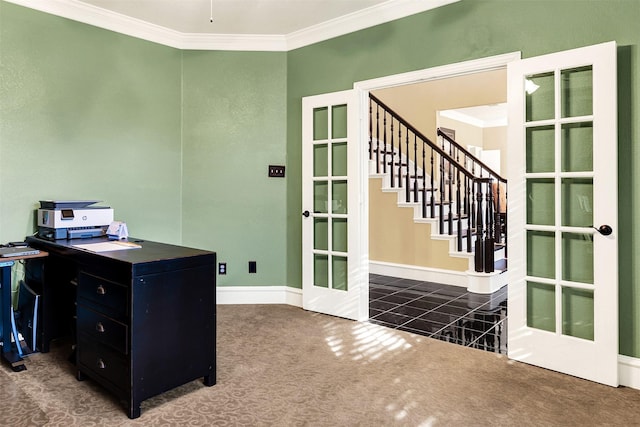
(276, 171)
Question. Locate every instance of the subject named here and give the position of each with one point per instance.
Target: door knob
(605, 230)
(305, 214)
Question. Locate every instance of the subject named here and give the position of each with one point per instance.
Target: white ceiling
(482, 116)
(235, 16)
(266, 25)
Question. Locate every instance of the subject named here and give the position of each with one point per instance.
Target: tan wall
(418, 104)
(466, 134)
(490, 138)
(495, 138)
(398, 239)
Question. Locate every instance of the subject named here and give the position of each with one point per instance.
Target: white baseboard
(259, 295)
(427, 274)
(486, 283)
(629, 371)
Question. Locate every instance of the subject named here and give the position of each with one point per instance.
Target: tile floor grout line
(387, 289)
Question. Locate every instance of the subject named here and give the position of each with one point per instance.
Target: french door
(563, 245)
(332, 220)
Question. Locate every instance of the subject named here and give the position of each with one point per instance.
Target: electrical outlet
(222, 268)
(253, 267)
(276, 171)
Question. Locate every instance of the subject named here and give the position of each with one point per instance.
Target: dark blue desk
(10, 354)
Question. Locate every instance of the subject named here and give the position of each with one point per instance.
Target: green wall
(87, 114)
(473, 29)
(234, 114)
(179, 142)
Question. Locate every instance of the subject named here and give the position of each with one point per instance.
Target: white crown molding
(369, 17)
(98, 17)
(241, 42)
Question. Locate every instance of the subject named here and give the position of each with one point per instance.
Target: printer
(72, 219)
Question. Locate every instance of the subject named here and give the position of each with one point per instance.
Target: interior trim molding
(75, 10)
(258, 295)
(369, 17)
(488, 63)
(413, 272)
(629, 371)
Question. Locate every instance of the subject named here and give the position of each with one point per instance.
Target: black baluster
(489, 244)
(479, 247)
(393, 155)
(441, 207)
(468, 197)
(401, 162)
(370, 129)
(377, 138)
(432, 212)
(424, 182)
(450, 197)
(459, 210)
(384, 140)
(415, 167)
(498, 214)
(407, 178)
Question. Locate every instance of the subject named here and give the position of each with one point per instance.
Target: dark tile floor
(444, 312)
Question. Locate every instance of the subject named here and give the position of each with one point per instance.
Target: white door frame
(364, 87)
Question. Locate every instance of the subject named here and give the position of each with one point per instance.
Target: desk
(144, 318)
(8, 354)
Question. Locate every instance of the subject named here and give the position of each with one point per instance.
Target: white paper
(107, 246)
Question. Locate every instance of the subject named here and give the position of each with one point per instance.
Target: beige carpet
(282, 366)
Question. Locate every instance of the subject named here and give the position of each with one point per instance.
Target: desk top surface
(149, 252)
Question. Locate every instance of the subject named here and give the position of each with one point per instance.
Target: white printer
(72, 219)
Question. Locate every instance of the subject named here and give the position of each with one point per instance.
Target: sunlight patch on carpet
(368, 342)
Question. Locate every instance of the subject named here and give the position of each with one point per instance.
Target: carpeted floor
(282, 366)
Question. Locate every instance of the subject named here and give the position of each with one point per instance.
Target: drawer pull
(101, 290)
(99, 327)
(100, 364)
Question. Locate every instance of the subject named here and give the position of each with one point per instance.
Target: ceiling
(482, 116)
(235, 16)
(263, 25)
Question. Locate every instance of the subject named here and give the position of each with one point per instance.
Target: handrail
(471, 156)
(426, 140)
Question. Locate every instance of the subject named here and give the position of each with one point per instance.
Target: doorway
(563, 177)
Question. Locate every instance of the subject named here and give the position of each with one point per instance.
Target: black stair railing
(480, 169)
(449, 182)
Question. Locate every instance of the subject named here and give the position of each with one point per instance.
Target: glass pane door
(332, 283)
(559, 195)
(330, 197)
(563, 272)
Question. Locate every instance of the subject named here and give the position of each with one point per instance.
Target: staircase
(462, 201)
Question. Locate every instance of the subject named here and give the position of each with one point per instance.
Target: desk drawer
(105, 293)
(102, 329)
(103, 364)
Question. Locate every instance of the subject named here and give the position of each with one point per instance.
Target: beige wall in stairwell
(466, 134)
(418, 104)
(489, 138)
(399, 240)
(495, 138)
